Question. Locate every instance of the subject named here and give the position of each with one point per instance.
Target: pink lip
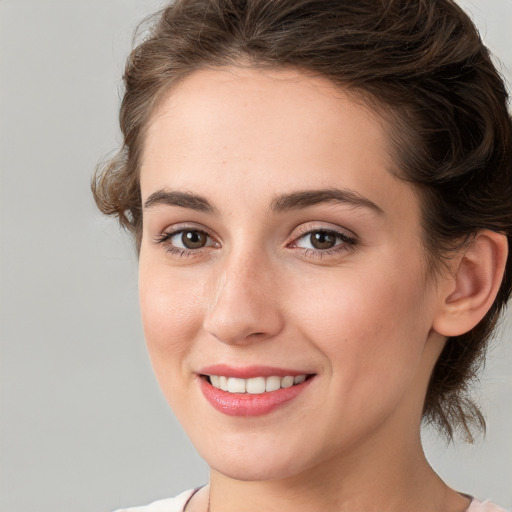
(244, 404)
(248, 372)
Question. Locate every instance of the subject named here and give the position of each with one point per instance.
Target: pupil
(193, 239)
(323, 240)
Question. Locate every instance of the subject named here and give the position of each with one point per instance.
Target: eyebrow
(182, 199)
(282, 203)
(303, 199)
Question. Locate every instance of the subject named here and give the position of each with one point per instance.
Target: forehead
(259, 132)
(261, 106)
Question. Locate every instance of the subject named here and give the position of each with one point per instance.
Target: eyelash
(347, 242)
(165, 238)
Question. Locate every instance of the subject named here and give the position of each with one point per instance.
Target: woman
(320, 193)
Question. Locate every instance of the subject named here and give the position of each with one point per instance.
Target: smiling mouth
(254, 385)
(260, 393)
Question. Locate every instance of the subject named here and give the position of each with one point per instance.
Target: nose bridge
(242, 305)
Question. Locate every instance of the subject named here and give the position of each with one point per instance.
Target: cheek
(367, 325)
(171, 317)
(371, 336)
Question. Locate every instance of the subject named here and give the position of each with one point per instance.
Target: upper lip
(249, 372)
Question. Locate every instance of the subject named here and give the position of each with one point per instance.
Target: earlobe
(473, 284)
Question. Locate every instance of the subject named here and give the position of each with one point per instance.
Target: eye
(190, 239)
(185, 241)
(324, 241)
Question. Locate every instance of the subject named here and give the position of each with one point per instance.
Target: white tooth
(287, 382)
(299, 379)
(236, 385)
(223, 383)
(272, 383)
(214, 379)
(256, 385)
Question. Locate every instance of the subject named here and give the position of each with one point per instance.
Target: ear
(471, 288)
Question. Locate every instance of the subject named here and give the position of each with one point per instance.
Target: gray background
(83, 426)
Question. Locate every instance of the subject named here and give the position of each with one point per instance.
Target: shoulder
(176, 504)
(484, 506)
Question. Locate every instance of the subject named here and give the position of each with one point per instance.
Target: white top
(484, 506)
(178, 504)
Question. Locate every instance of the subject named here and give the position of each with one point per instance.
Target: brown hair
(420, 63)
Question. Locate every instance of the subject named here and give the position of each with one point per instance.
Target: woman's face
(278, 245)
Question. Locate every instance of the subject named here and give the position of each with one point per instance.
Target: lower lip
(245, 404)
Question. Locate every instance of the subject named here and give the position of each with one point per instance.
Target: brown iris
(323, 239)
(194, 239)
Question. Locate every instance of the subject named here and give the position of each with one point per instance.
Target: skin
(360, 316)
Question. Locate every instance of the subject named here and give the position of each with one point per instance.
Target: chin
(254, 471)
(257, 461)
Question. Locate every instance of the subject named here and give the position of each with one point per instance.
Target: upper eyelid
(164, 236)
(305, 228)
(186, 226)
(345, 239)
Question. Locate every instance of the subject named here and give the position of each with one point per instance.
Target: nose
(243, 305)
